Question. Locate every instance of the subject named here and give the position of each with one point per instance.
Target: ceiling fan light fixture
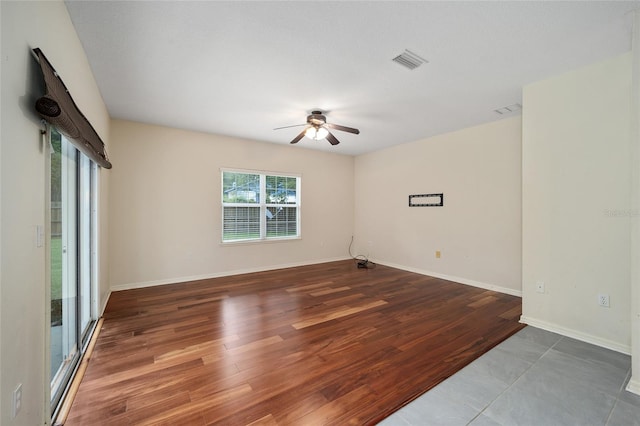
(317, 129)
(316, 133)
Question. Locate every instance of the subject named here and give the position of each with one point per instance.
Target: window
(259, 206)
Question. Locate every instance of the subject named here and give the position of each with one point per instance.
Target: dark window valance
(58, 108)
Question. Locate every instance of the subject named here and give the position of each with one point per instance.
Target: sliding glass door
(71, 236)
(86, 239)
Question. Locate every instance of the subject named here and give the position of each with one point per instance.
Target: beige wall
(165, 214)
(23, 290)
(477, 230)
(576, 219)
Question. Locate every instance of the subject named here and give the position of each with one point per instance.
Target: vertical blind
(58, 108)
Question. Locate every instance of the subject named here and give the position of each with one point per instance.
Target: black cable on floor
(362, 261)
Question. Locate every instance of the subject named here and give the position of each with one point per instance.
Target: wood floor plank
(227, 396)
(267, 420)
(325, 291)
(335, 313)
(326, 344)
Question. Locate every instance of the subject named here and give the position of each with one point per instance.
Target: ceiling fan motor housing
(316, 118)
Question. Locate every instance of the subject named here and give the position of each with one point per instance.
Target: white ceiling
(243, 68)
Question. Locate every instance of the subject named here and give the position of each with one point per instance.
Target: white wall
(634, 158)
(165, 214)
(477, 230)
(576, 219)
(22, 275)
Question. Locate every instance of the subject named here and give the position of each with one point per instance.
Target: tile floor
(534, 378)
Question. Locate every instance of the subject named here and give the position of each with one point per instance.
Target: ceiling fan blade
(343, 128)
(332, 139)
(300, 136)
(286, 127)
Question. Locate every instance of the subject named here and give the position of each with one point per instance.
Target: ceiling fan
(317, 128)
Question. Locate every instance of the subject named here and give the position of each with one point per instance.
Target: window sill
(265, 241)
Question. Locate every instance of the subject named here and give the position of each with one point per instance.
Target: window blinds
(58, 109)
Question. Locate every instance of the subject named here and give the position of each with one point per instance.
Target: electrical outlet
(540, 287)
(603, 300)
(17, 401)
(437, 254)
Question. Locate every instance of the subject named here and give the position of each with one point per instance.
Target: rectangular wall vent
(508, 109)
(409, 60)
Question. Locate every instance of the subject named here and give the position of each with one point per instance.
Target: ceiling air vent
(410, 60)
(508, 109)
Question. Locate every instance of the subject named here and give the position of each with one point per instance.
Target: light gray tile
(593, 353)
(434, 408)
(597, 375)
(629, 398)
(474, 394)
(537, 335)
(475, 385)
(483, 420)
(394, 420)
(624, 415)
(544, 397)
(505, 364)
(522, 348)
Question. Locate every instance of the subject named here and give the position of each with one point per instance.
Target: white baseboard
(633, 386)
(129, 286)
(460, 280)
(104, 304)
(575, 334)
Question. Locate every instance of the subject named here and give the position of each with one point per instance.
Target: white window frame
(263, 205)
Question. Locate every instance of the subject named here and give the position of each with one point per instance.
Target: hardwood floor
(319, 344)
